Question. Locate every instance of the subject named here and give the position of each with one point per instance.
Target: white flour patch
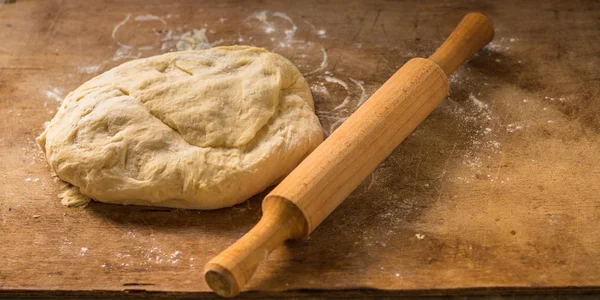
(323, 64)
(289, 32)
(89, 69)
(499, 45)
(144, 18)
(363, 93)
(191, 40)
(310, 24)
(194, 40)
(55, 94)
(142, 257)
(345, 86)
(175, 257)
(261, 16)
(127, 50)
(319, 89)
(83, 251)
(124, 53)
(271, 27)
(480, 105)
(513, 127)
(116, 29)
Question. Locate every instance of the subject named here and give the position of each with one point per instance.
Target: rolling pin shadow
(334, 169)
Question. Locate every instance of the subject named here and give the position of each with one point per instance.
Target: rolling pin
(294, 208)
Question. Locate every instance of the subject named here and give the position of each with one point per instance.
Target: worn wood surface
(497, 190)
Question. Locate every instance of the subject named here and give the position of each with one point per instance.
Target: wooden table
(497, 191)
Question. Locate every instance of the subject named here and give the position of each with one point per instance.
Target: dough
(193, 129)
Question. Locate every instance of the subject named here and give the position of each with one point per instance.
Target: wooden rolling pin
(332, 171)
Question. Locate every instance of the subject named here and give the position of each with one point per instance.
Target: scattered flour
(89, 69)
(363, 93)
(144, 18)
(116, 29)
(319, 89)
(55, 94)
(323, 64)
(513, 127)
(345, 86)
(194, 40)
(480, 105)
(289, 32)
(499, 45)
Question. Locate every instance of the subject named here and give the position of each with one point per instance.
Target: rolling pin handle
(472, 33)
(227, 273)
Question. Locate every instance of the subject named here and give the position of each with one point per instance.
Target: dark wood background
(497, 191)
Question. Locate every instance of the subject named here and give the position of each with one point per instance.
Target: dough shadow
(230, 220)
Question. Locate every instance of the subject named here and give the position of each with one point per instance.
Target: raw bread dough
(194, 129)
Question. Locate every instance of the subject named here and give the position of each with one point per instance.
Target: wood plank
(496, 191)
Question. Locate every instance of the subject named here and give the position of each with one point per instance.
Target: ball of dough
(194, 129)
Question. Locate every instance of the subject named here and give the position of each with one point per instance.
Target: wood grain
(428, 221)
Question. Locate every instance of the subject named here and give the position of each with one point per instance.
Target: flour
(175, 257)
(89, 69)
(116, 29)
(499, 45)
(345, 86)
(141, 257)
(262, 17)
(129, 51)
(270, 27)
(55, 94)
(363, 93)
(480, 105)
(194, 40)
(144, 18)
(289, 32)
(323, 64)
(513, 127)
(319, 89)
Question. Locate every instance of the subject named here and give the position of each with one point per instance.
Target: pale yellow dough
(194, 129)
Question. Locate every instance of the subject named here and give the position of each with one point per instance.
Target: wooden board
(496, 191)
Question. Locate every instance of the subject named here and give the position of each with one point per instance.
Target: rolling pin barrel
(332, 171)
